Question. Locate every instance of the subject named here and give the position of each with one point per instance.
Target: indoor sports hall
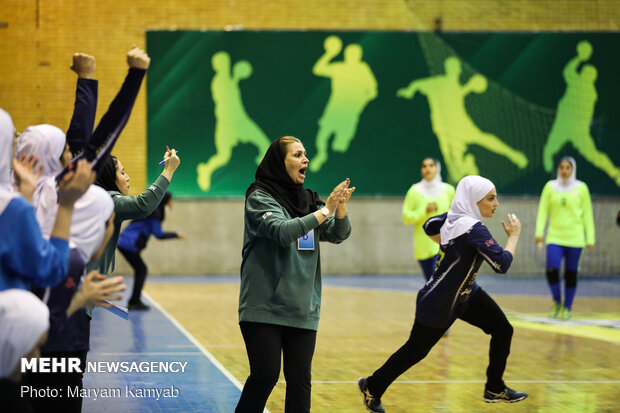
(394, 103)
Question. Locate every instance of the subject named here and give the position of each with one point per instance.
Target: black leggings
(265, 343)
(139, 268)
(482, 312)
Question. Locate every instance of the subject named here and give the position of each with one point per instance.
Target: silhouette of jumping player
(574, 116)
(232, 123)
(353, 87)
(454, 128)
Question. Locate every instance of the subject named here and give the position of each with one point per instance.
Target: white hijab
(464, 211)
(434, 187)
(7, 129)
(23, 320)
(565, 185)
(90, 214)
(47, 143)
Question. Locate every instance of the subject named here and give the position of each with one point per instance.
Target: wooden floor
(568, 367)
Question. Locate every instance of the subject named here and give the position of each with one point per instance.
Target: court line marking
(518, 319)
(473, 381)
(195, 342)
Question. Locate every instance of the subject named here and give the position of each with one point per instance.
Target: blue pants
(555, 253)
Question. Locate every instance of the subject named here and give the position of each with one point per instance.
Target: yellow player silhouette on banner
(575, 113)
(353, 86)
(232, 123)
(452, 125)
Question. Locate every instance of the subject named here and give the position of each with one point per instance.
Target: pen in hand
(164, 161)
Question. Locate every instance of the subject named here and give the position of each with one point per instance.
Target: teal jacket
(281, 284)
(129, 207)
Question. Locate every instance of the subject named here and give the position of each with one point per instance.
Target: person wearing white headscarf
(69, 333)
(452, 292)
(429, 197)
(566, 203)
(23, 327)
(7, 131)
(26, 257)
(47, 143)
(23, 321)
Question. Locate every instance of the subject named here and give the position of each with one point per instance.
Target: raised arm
(135, 207)
(333, 46)
(85, 107)
(337, 229)
(497, 257)
(112, 123)
(513, 230)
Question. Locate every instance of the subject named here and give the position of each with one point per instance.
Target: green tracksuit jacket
(281, 284)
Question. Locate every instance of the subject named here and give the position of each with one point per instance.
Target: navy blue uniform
(448, 292)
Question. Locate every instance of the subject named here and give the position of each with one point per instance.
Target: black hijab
(271, 177)
(107, 176)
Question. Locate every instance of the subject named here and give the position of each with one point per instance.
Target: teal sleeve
(335, 230)
(134, 207)
(272, 222)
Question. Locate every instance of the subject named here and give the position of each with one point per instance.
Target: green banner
(371, 105)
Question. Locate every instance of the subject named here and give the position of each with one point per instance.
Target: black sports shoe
(140, 306)
(371, 403)
(507, 395)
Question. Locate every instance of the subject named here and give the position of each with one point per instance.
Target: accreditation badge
(306, 243)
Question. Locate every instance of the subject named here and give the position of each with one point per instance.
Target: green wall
(494, 104)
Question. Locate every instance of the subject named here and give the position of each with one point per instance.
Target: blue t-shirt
(26, 258)
(134, 237)
(448, 292)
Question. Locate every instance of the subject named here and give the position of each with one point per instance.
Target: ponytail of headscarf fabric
(464, 211)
